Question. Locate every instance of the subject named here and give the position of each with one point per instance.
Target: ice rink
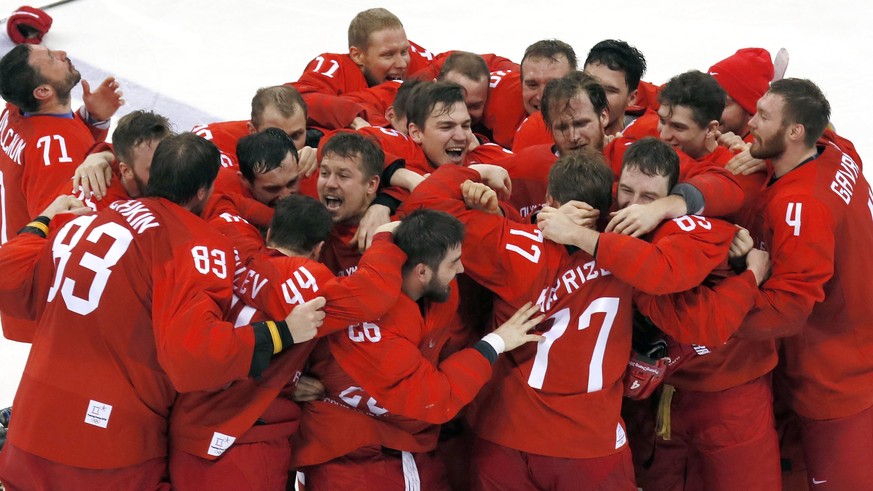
(201, 61)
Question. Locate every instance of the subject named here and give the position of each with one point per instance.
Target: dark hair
(405, 97)
(653, 158)
(582, 175)
(285, 98)
(368, 22)
(182, 165)
(18, 79)
(697, 91)
(135, 128)
(551, 49)
(558, 92)
(467, 64)
(354, 146)
(804, 104)
(428, 96)
(262, 152)
(618, 55)
(299, 223)
(426, 236)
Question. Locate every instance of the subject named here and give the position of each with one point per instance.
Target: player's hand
(514, 332)
(389, 227)
(375, 216)
(65, 204)
(496, 177)
(581, 213)
(308, 389)
(731, 141)
(478, 196)
(406, 179)
(556, 225)
(94, 175)
(305, 319)
(307, 163)
(743, 163)
(104, 101)
(758, 262)
(636, 220)
(359, 123)
(741, 244)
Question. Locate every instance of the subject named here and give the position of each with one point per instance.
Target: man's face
(440, 286)
(445, 135)
(135, 175)
(270, 187)
(386, 58)
(618, 97)
(294, 126)
(578, 126)
(55, 68)
(768, 128)
(678, 128)
(535, 74)
(734, 118)
(343, 189)
(475, 94)
(636, 188)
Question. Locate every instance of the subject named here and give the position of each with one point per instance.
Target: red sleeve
(276, 285)
(324, 78)
(196, 347)
(504, 110)
(374, 101)
(496, 251)
(533, 131)
(643, 126)
(721, 192)
(803, 261)
(391, 368)
(703, 315)
(683, 251)
(488, 153)
(18, 258)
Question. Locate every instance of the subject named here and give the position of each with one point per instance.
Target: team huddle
(453, 271)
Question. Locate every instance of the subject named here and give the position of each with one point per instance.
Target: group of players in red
(410, 271)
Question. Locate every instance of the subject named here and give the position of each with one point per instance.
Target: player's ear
(414, 132)
(316, 251)
(551, 201)
(422, 273)
(357, 55)
(125, 170)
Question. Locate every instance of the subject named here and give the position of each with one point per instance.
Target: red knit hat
(28, 25)
(745, 76)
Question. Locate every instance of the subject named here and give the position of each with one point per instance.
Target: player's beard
(436, 291)
(774, 146)
(65, 87)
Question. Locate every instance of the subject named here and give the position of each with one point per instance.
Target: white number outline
(535, 251)
(46, 143)
(100, 266)
(605, 305)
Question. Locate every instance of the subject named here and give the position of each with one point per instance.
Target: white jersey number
(605, 305)
(62, 249)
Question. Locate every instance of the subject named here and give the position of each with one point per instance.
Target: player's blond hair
(368, 22)
(283, 98)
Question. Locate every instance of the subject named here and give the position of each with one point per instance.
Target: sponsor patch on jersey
(620, 436)
(220, 443)
(98, 414)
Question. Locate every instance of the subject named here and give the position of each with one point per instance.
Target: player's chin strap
(662, 422)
